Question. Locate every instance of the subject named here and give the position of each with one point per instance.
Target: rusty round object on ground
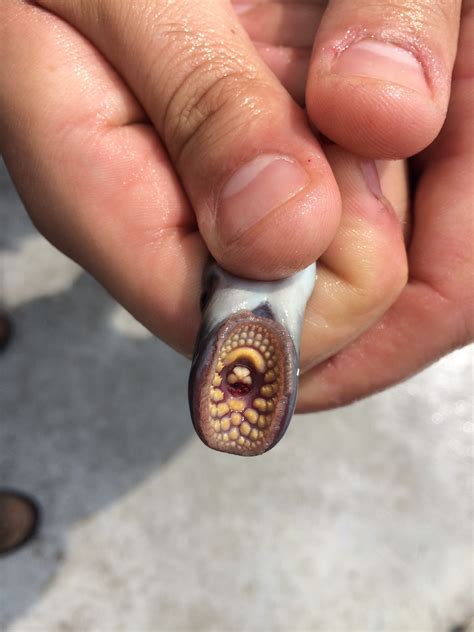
(19, 519)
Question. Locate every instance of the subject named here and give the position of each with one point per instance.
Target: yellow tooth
(217, 380)
(235, 419)
(217, 426)
(218, 395)
(260, 404)
(236, 404)
(270, 376)
(234, 344)
(259, 336)
(240, 374)
(241, 441)
(234, 434)
(222, 409)
(245, 428)
(270, 406)
(219, 366)
(266, 391)
(225, 423)
(247, 353)
(263, 348)
(241, 371)
(262, 421)
(213, 410)
(254, 434)
(251, 415)
(270, 364)
(225, 437)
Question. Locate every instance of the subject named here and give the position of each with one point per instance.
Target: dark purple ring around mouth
(243, 383)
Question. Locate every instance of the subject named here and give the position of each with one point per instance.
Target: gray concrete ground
(360, 520)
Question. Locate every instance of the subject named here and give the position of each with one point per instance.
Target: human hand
(356, 107)
(128, 171)
(83, 192)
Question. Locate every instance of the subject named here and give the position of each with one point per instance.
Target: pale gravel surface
(359, 520)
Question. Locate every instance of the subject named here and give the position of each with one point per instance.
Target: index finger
(264, 196)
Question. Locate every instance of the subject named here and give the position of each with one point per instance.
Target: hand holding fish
(144, 136)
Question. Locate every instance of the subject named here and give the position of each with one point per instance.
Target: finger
(264, 196)
(289, 65)
(364, 269)
(93, 175)
(379, 79)
(289, 24)
(283, 35)
(434, 314)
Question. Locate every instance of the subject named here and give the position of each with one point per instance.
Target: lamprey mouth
(244, 376)
(246, 388)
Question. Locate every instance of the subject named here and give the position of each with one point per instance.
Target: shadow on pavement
(87, 413)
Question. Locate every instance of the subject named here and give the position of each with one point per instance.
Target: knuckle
(204, 105)
(201, 86)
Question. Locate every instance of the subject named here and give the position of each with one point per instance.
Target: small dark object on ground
(467, 626)
(6, 330)
(19, 519)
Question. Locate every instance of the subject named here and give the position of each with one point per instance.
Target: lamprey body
(244, 375)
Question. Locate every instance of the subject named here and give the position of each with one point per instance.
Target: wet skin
(244, 375)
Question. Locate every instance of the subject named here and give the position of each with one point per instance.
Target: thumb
(264, 195)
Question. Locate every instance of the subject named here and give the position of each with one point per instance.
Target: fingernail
(381, 60)
(372, 180)
(257, 189)
(371, 176)
(243, 7)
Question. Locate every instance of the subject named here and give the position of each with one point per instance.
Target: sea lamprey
(244, 376)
